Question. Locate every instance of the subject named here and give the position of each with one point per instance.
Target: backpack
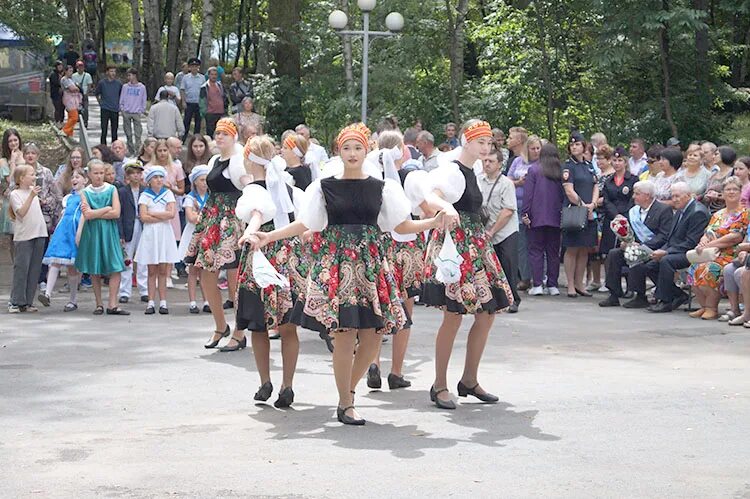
(89, 60)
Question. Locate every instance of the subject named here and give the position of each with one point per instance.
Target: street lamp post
(338, 21)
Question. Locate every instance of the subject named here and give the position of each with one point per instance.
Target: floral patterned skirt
(349, 284)
(215, 241)
(261, 309)
(482, 287)
(407, 262)
(709, 273)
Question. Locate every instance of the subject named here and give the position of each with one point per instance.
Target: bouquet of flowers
(621, 227)
(125, 256)
(636, 253)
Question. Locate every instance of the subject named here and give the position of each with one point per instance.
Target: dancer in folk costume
(348, 292)
(293, 149)
(266, 204)
(482, 289)
(215, 242)
(405, 252)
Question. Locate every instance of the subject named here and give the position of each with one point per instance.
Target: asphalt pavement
(594, 403)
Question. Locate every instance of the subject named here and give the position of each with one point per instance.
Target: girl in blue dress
(62, 249)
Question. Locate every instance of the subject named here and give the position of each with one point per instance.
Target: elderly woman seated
(727, 228)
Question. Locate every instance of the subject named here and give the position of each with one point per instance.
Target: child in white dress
(157, 248)
(193, 204)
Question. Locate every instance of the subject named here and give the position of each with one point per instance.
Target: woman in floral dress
(266, 204)
(214, 245)
(348, 290)
(482, 289)
(725, 231)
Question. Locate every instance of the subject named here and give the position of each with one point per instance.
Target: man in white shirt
(708, 154)
(638, 161)
(173, 91)
(426, 145)
(316, 154)
(84, 82)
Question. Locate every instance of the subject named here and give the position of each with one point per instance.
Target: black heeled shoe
(373, 377)
(240, 344)
(214, 343)
(464, 390)
(395, 382)
(441, 404)
(343, 418)
(583, 293)
(286, 398)
(264, 392)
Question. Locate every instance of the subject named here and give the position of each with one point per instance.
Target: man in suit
(651, 222)
(130, 230)
(690, 221)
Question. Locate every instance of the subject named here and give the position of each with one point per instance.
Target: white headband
(463, 140)
(257, 159)
(297, 152)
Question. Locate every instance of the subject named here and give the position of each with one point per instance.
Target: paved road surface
(611, 403)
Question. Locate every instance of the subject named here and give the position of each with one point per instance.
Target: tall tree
(137, 42)
(666, 63)
(174, 34)
(457, 43)
(188, 43)
(284, 20)
(154, 71)
(207, 38)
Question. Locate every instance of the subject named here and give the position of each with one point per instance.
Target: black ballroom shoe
(264, 392)
(228, 304)
(286, 398)
(611, 301)
(343, 418)
(639, 301)
(206, 309)
(464, 390)
(373, 377)
(395, 382)
(240, 344)
(441, 404)
(583, 293)
(214, 343)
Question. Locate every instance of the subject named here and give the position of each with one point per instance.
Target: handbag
(706, 255)
(484, 211)
(574, 218)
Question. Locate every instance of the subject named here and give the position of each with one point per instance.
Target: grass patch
(53, 152)
(738, 135)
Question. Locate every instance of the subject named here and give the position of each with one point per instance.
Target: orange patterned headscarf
(227, 126)
(475, 131)
(357, 131)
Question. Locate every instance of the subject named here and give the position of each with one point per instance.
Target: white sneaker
(536, 291)
(603, 289)
(170, 284)
(554, 291)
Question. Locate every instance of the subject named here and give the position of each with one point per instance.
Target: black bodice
(302, 176)
(471, 200)
(217, 182)
(352, 201)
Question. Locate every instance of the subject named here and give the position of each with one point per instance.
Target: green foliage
(35, 21)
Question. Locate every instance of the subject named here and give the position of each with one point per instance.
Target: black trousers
(192, 111)
(59, 110)
(85, 111)
(615, 262)
(211, 120)
(507, 253)
(662, 273)
(109, 118)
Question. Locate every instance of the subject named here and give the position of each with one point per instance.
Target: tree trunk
(74, 20)
(347, 45)
(701, 58)
(249, 33)
(207, 31)
(665, 71)
(137, 43)
(187, 44)
(546, 74)
(174, 34)
(284, 18)
(240, 27)
(151, 14)
(457, 42)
